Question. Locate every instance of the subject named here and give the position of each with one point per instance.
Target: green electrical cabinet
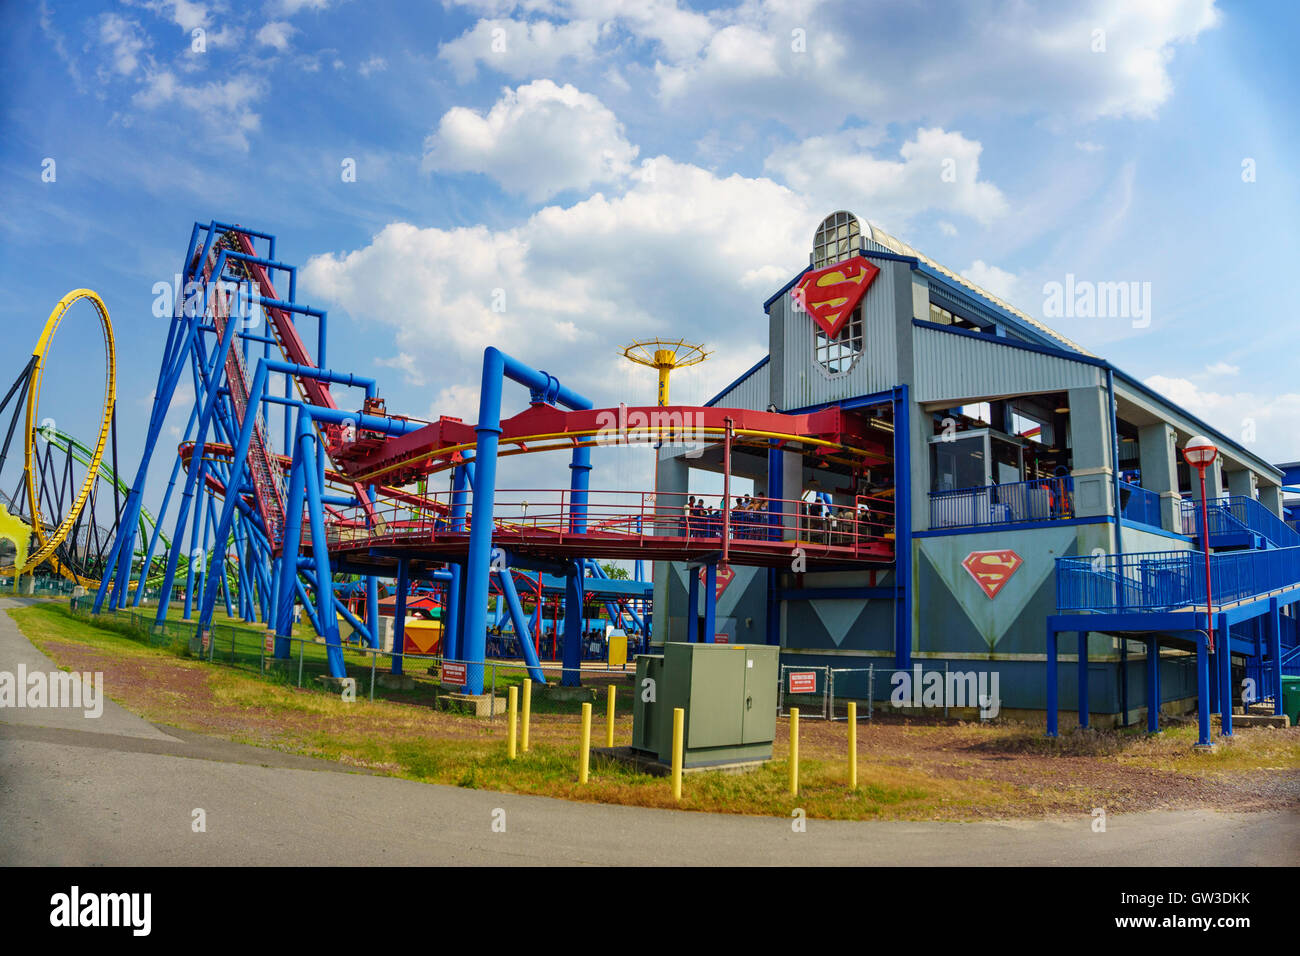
(728, 694)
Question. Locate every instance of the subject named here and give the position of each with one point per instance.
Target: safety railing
(1138, 504)
(549, 516)
(1040, 499)
(1170, 580)
(1237, 514)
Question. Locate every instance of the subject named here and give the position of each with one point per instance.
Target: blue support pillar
(1153, 685)
(902, 529)
(329, 627)
(451, 626)
(1083, 679)
(399, 615)
(710, 601)
(372, 610)
(692, 604)
(572, 673)
(1275, 653)
(1053, 706)
(1223, 648)
(1203, 684)
(510, 597)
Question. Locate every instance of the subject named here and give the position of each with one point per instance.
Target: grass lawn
(908, 768)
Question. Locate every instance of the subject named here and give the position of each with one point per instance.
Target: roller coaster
(343, 489)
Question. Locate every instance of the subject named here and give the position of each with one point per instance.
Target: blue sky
(624, 169)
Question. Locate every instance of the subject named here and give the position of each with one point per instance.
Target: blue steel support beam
(1153, 685)
(1275, 653)
(511, 595)
(497, 367)
(1223, 647)
(1083, 679)
(710, 600)
(1053, 687)
(1202, 692)
(310, 448)
(902, 529)
(399, 614)
(571, 676)
(692, 604)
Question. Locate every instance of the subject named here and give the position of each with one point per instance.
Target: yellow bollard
(584, 761)
(853, 745)
(679, 719)
(512, 696)
(794, 751)
(528, 707)
(609, 717)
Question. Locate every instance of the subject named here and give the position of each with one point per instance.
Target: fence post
(853, 745)
(528, 706)
(794, 751)
(585, 757)
(945, 690)
(512, 704)
(609, 717)
(299, 661)
(679, 718)
(871, 689)
(374, 656)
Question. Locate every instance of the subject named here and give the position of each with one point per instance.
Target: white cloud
(538, 140)
(376, 64)
(1222, 368)
(946, 228)
(276, 34)
(682, 250)
(1266, 424)
(937, 170)
(519, 49)
(407, 364)
(880, 59)
(125, 41)
(225, 107)
(1003, 284)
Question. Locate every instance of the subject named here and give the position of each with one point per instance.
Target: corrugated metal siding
(753, 392)
(807, 383)
(953, 367)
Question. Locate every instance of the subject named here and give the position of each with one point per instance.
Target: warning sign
(803, 682)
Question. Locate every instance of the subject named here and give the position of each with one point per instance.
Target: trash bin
(1291, 698)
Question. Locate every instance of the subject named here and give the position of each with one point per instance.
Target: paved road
(110, 791)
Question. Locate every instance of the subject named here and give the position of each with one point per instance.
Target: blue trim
(744, 375)
(767, 305)
(1016, 526)
(902, 528)
(996, 313)
(861, 401)
(1153, 529)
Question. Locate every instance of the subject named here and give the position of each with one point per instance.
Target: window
(941, 316)
(838, 354)
(839, 237)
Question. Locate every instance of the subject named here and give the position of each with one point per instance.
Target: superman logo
(831, 294)
(992, 569)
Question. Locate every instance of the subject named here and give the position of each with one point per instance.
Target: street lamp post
(1200, 454)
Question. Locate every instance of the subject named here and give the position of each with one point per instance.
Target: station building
(1013, 447)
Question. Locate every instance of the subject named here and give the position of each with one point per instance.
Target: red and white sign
(803, 682)
(831, 294)
(724, 577)
(721, 639)
(992, 569)
(454, 672)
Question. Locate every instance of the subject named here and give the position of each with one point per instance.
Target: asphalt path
(116, 790)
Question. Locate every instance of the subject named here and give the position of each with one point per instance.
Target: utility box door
(717, 689)
(760, 694)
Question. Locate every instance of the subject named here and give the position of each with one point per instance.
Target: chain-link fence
(807, 688)
(418, 678)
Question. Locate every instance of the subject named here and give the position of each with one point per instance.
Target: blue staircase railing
(1168, 580)
(1138, 504)
(1237, 514)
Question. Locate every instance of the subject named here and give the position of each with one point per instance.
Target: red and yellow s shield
(992, 569)
(831, 294)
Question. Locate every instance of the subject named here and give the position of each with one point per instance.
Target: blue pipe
(506, 580)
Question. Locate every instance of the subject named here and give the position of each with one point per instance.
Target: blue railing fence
(1041, 499)
(1237, 514)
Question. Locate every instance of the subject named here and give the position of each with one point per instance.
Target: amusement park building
(1013, 447)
